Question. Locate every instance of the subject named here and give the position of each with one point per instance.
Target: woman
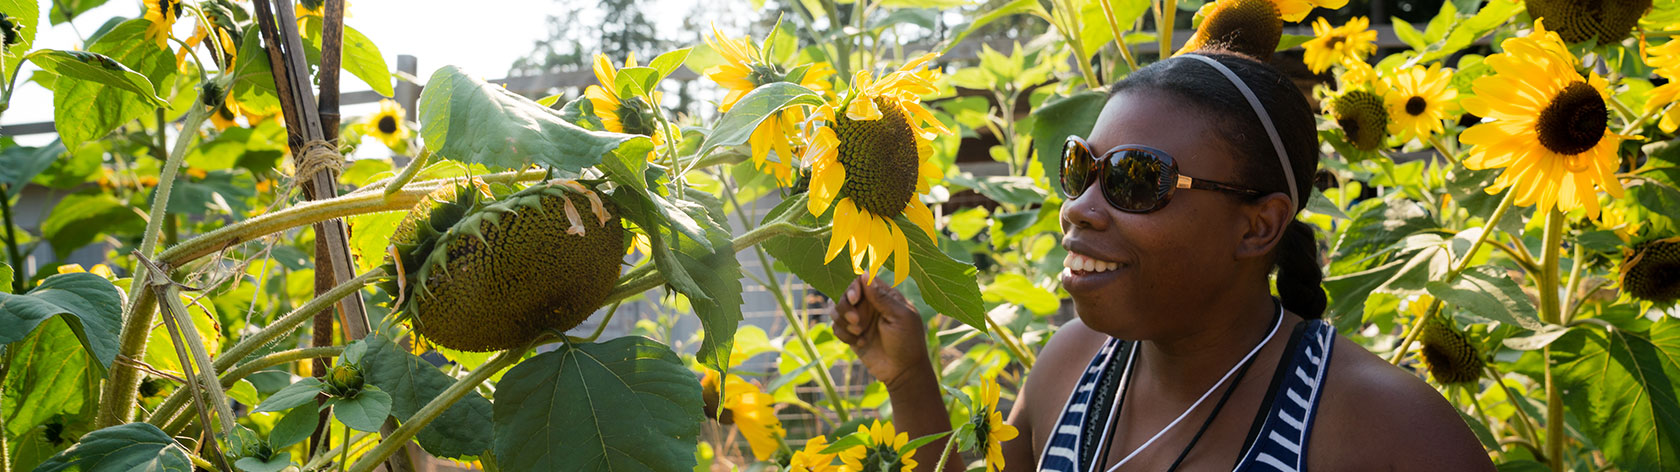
(1214, 372)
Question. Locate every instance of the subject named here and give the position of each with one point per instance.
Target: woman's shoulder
(1376, 415)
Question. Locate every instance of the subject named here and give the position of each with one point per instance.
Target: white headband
(1265, 119)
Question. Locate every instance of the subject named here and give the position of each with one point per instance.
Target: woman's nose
(1088, 211)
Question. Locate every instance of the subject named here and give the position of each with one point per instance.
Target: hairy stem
(20, 279)
(399, 438)
(1551, 312)
(408, 172)
(1488, 229)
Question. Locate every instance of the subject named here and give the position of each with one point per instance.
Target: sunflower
(101, 270)
(754, 413)
(1666, 59)
(1362, 116)
(745, 69)
(1608, 21)
(1418, 99)
(387, 125)
(811, 458)
(989, 430)
(1548, 126)
(1352, 41)
(881, 453)
(1249, 27)
(869, 159)
(1295, 10)
(1651, 270)
(162, 14)
(226, 46)
(631, 115)
(1448, 355)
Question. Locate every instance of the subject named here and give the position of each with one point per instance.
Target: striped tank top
(1277, 440)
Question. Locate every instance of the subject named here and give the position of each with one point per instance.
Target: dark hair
(1299, 277)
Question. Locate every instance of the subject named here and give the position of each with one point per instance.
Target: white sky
(483, 37)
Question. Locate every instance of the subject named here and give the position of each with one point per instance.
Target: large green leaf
(253, 76)
(1625, 387)
(364, 412)
(469, 120)
(1487, 292)
(762, 102)
(803, 255)
(627, 404)
(50, 375)
(27, 15)
(79, 220)
(66, 10)
(948, 285)
(23, 163)
(91, 305)
(110, 84)
(133, 446)
(360, 57)
(718, 305)
(1002, 11)
(464, 428)
(1059, 118)
(1095, 31)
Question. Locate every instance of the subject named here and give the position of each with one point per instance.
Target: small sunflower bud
(210, 94)
(344, 380)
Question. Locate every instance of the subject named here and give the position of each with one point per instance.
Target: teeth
(1079, 262)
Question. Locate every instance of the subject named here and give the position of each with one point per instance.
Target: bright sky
(484, 40)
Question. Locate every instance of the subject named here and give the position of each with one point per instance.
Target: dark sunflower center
(1335, 41)
(387, 124)
(882, 458)
(1653, 273)
(1363, 118)
(880, 160)
(1250, 27)
(1416, 105)
(636, 116)
(1574, 121)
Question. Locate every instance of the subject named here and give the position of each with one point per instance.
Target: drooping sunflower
(811, 458)
(1579, 20)
(630, 115)
(1548, 126)
(1363, 117)
(869, 160)
(162, 14)
(1651, 270)
(1295, 10)
(746, 68)
(1418, 99)
(1352, 41)
(881, 453)
(989, 429)
(1249, 27)
(754, 413)
(387, 125)
(1666, 59)
(1448, 355)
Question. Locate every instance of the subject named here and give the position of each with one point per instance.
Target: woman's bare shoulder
(1376, 416)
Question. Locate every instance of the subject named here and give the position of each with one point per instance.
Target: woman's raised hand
(885, 330)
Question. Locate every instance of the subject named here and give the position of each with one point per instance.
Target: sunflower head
(1651, 270)
(811, 458)
(1353, 41)
(1418, 99)
(162, 14)
(1545, 123)
(1448, 354)
(1249, 27)
(881, 452)
(9, 31)
(754, 414)
(624, 114)
(1579, 20)
(990, 432)
(745, 68)
(1363, 118)
(1295, 10)
(387, 125)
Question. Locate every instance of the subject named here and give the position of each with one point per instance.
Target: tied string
(318, 156)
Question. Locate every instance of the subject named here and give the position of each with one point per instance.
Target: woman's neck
(1183, 367)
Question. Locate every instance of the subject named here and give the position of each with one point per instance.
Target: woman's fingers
(854, 313)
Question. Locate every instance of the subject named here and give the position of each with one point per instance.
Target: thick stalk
(1551, 312)
(397, 182)
(118, 399)
(1119, 37)
(945, 454)
(1164, 25)
(399, 438)
(1570, 297)
(1012, 344)
(20, 279)
(1488, 229)
(1070, 19)
(171, 406)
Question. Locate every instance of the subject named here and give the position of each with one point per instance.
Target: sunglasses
(1133, 178)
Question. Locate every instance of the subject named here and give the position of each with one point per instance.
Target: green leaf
(1409, 35)
(1466, 32)
(360, 57)
(1059, 118)
(948, 285)
(718, 304)
(803, 255)
(738, 124)
(293, 396)
(253, 77)
(626, 404)
(89, 303)
(1010, 190)
(1378, 224)
(1654, 197)
(50, 375)
(667, 63)
(66, 10)
(23, 163)
(472, 121)
(462, 430)
(1625, 388)
(1002, 11)
(1016, 288)
(80, 219)
(278, 462)
(1487, 292)
(1095, 31)
(133, 446)
(27, 15)
(1347, 293)
(295, 426)
(110, 84)
(1290, 41)
(364, 412)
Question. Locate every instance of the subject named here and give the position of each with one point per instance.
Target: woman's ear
(1267, 219)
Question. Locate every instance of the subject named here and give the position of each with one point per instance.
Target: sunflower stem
(1441, 147)
(1526, 425)
(1069, 25)
(398, 439)
(1164, 20)
(1567, 304)
(1550, 312)
(1119, 38)
(1011, 343)
(1482, 414)
(408, 172)
(950, 443)
(1452, 274)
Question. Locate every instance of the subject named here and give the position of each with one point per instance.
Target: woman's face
(1169, 262)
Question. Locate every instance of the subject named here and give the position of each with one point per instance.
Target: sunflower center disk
(1575, 120)
(387, 124)
(1363, 117)
(636, 116)
(880, 159)
(1416, 105)
(1654, 272)
(1251, 27)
